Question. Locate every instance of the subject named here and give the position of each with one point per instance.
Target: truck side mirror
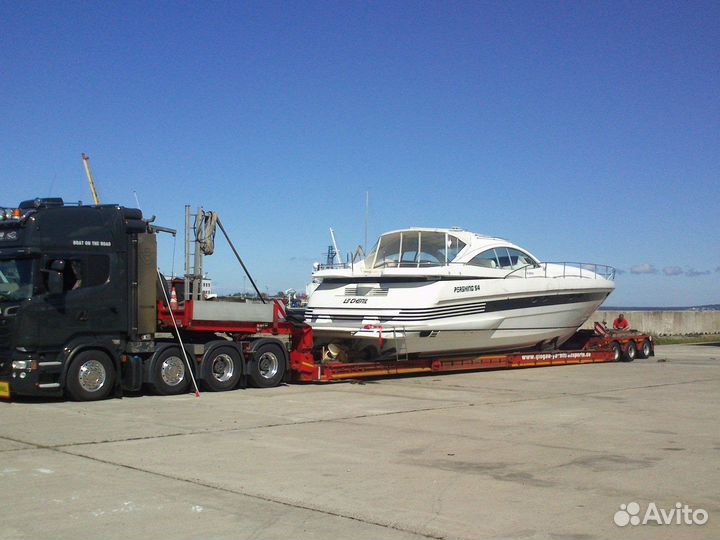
(55, 282)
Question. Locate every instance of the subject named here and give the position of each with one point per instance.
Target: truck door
(85, 305)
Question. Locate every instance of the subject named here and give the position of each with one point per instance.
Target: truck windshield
(16, 279)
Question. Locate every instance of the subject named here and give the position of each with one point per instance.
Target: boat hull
(453, 316)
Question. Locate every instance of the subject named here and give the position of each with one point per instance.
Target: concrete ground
(533, 453)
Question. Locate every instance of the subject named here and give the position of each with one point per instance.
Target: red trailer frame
(184, 317)
(585, 347)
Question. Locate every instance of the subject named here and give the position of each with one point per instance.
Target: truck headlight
(24, 364)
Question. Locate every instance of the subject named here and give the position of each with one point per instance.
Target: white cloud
(691, 272)
(644, 268)
(673, 271)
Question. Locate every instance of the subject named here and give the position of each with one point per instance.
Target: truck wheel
(91, 376)
(617, 351)
(168, 373)
(630, 352)
(267, 368)
(221, 369)
(646, 350)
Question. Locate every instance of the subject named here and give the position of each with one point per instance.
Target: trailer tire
(267, 367)
(645, 350)
(168, 373)
(221, 369)
(630, 352)
(617, 351)
(91, 376)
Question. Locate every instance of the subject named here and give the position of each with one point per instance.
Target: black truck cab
(69, 282)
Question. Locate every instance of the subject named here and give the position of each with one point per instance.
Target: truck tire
(168, 373)
(630, 352)
(91, 376)
(267, 367)
(617, 351)
(645, 350)
(221, 369)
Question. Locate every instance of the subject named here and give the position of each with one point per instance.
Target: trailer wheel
(91, 376)
(267, 368)
(617, 351)
(168, 373)
(646, 350)
(630, 352)
(221, 369)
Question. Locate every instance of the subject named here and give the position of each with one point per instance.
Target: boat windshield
(16, 279)
(414, 249)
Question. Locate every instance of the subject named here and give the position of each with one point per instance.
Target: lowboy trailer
(585, 347)
(85, 313)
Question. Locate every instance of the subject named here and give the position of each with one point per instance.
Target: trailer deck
(586, 347)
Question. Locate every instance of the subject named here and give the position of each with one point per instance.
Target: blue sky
(583, 131)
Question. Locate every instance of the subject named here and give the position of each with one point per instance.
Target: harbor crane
(86, 162)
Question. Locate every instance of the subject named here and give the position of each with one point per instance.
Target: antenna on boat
(367, 205)
(334, 243)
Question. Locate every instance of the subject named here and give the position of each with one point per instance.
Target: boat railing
(564, 270)
(333, 266)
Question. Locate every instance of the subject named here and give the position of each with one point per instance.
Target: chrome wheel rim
(223, 367)
(172, 370)
(92, 376)
(646, 349)
(268, 365)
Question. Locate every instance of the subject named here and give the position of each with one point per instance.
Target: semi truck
(84, 312)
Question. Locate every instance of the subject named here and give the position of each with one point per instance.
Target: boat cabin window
(414, 249)
(454, 246)
(519, 259)
(486, 259)
(502, 257)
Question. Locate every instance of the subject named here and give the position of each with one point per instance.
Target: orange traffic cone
(173, 299)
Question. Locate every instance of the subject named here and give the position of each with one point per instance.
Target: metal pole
(367, 204)
(337, 252)
(177, 334)
(197, 265)
(186, 294)
(240, 260)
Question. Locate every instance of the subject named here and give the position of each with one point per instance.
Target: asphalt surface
(530, 453)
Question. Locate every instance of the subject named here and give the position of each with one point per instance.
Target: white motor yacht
(429, 291)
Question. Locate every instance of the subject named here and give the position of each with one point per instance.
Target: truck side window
(89, 271)
(70, 271)
(73, 275)
(98, 270)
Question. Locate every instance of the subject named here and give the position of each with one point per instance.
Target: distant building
(206, 288)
